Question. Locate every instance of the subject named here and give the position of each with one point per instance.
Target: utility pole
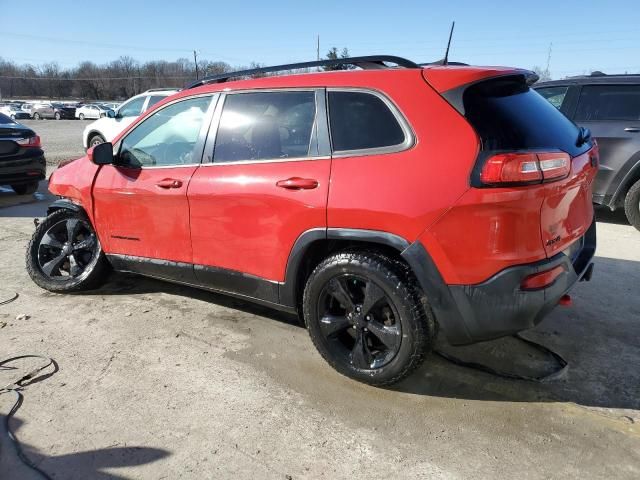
(549, 58)
(195, 60)
(318, 48)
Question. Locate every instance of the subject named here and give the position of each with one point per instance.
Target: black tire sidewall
(86, 281)
(404, 302)
(632, 205)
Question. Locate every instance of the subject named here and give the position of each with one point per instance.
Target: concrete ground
(162, 381)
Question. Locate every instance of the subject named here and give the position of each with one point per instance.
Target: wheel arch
(316, 244)
(631, 176)
(64, 204)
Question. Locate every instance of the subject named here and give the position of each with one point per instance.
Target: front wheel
(367, 317)
(57, 116)
(64, 254)
(81, 116)
(632, 205)
(36, 116)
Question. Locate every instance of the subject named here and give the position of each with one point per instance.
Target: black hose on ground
(16, 388)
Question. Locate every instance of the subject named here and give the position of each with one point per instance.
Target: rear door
(612, 113)
(264, 182)
(140, 204)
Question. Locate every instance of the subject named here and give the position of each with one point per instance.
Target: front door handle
(297, 183)
(169, 183)
(632, 129)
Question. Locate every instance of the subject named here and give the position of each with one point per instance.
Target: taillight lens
(542, 279)
(525, 168)
(33, 142)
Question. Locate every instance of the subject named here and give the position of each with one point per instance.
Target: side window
(554, 95)
(167, 137)
(609, 102)
(153, 99)
(132, 108)
(360, 121)
(265, 126)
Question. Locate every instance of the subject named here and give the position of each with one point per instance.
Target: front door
(140, 202)
(263, 185)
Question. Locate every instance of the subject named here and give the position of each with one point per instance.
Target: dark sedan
(52, 110)
(22, 162)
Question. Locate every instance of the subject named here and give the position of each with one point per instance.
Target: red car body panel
(242, 221)
(134, 215)
(74, 181)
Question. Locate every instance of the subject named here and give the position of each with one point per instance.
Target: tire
(13, 117)
(25, 188)
(367, 317)
(36, 116)
(57, 116)
(96, 139)
(632, 205)
(51, 258)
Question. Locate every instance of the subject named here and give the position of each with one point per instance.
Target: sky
(581, 36)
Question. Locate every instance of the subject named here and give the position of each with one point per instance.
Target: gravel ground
(162, 381)
(61, 139)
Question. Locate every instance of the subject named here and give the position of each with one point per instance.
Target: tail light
(542, 279)
(525, 168)
(31, 142)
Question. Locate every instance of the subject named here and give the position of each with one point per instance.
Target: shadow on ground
(604, 214)
(601, 346)
(90, 464)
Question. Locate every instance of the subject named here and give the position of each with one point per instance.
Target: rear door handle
(297, 183)
(169, 183)
(632, 129)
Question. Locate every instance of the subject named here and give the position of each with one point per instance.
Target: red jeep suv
(380, 203)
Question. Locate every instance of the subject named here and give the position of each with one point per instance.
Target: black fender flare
(624, 184)
(65, 204)
(422, 265)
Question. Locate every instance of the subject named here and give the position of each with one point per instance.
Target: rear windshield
(508, 115)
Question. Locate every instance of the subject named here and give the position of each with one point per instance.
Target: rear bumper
(498, 307)
(23, 170)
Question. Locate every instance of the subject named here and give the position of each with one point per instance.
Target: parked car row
(57, 110)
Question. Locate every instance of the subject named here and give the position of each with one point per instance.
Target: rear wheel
(57, 116)
(96, 139)
(36, 116)
(25, 188)
(632, 205)
(64, 254)
(366, 317)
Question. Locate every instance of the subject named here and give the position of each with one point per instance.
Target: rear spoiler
(455, 95)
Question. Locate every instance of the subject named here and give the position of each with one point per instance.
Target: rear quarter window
(362, 121)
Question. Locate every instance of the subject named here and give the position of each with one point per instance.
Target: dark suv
(376, 203)
(609, 105)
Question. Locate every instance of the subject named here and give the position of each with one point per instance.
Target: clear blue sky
(586, 35)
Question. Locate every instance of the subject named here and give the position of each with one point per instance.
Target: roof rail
(367, 63)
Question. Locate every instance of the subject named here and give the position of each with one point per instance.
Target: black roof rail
(366, 62)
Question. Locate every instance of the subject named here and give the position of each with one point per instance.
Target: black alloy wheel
(65, 254)
(367, 316)
(359, 322)
(67, 249)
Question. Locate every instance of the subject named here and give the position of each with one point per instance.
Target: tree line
(116, 80)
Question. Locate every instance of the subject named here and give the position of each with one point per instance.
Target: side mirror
(101, 154)
(111, 114)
